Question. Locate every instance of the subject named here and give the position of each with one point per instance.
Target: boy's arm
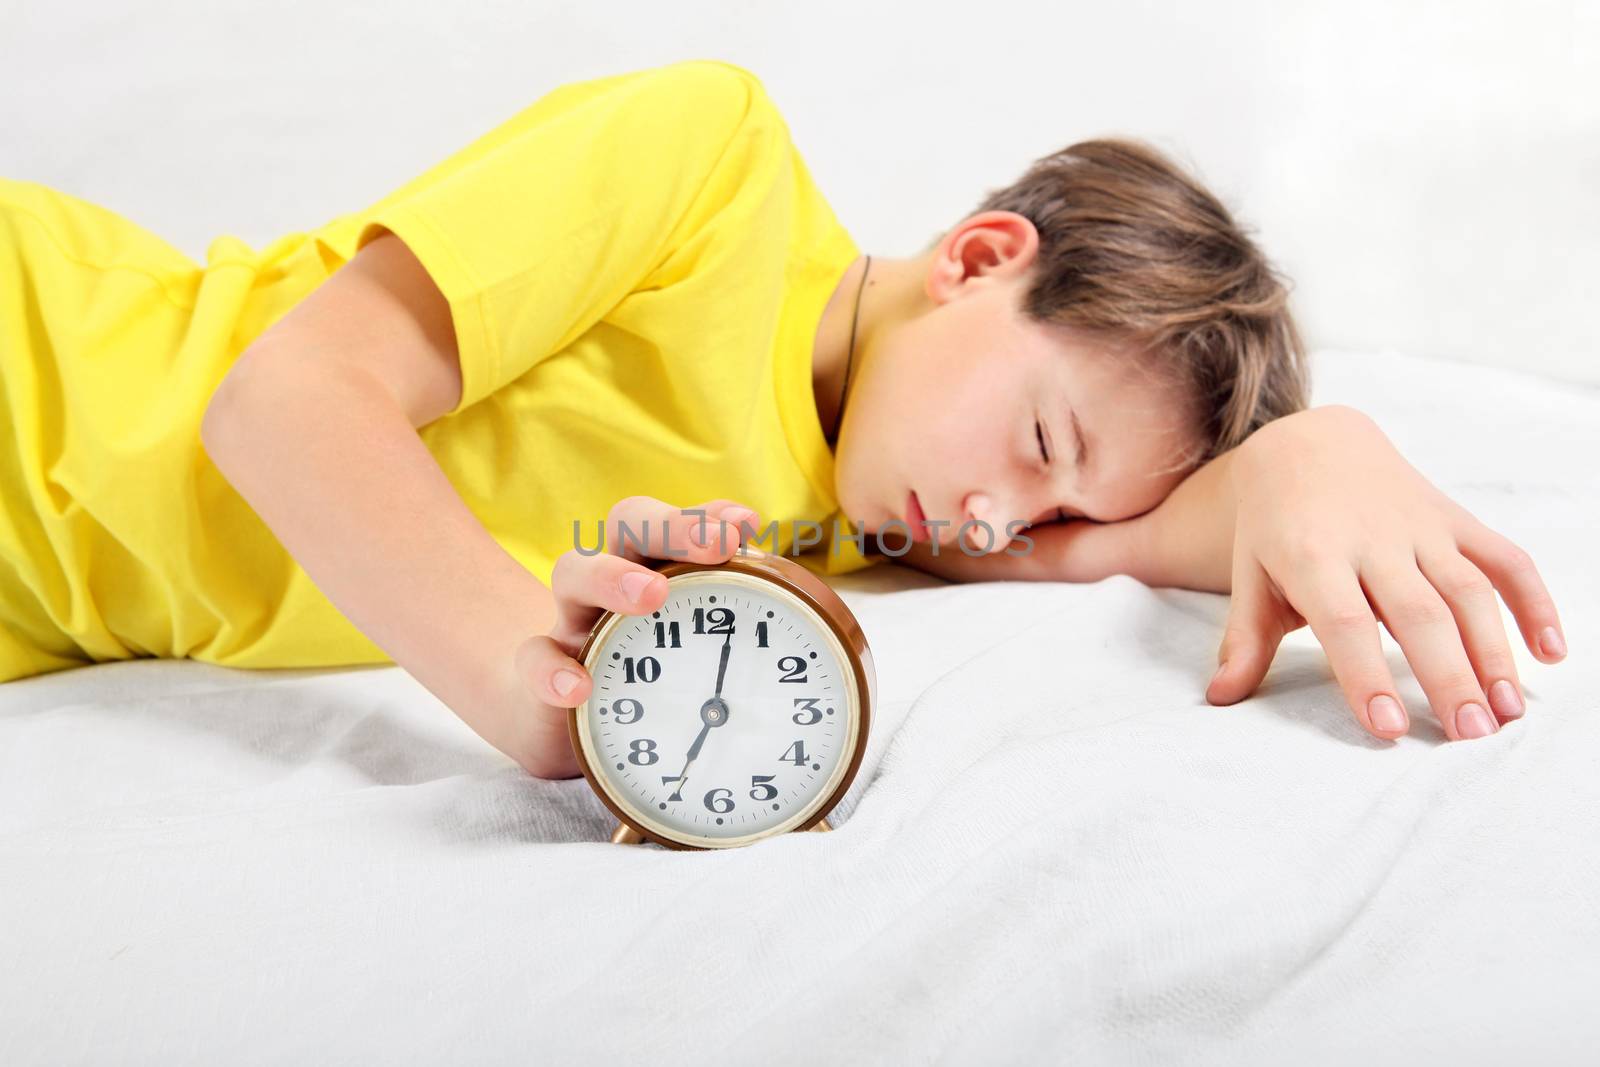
(1079, 550)
(316, 427)
(1185, 541)
(334, 468)
(1317, 519)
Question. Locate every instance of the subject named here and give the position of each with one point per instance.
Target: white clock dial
(710, 768)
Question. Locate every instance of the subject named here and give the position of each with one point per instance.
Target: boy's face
(951, 396)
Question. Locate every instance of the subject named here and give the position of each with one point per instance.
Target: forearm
(1186, 541)
(344, 481)
(1073, 551)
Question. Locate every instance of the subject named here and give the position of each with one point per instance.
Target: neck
(888, 286)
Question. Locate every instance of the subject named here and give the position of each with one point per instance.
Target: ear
(986, 248)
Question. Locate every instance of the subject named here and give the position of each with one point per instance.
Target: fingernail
(564, 682)
(1472, 720)
(1551, 642)
(701, 533)
(633, 585)
(1504, 700)
(1386, 713)
(1220, 670)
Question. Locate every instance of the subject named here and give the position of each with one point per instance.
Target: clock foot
(822, 824)
(626, 835)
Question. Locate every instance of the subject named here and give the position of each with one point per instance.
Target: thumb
(1250, 638)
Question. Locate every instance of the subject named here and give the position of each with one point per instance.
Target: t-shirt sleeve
(537, 229)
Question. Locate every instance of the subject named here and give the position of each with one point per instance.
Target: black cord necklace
(844, 390)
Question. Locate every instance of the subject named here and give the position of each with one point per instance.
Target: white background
(1426, 173)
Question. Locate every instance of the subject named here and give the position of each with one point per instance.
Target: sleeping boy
(630, 303)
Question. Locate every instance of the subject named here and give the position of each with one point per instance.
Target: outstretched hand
(1334, 528)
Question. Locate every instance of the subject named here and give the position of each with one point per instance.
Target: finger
(1329, 596)
(745, 519)
(1251, 636)
(1472, 600)
(1423, 624)
(1513, 573)
(586, 586)
(729, 510)
(551, 673)
(642, 528)
(723, 524)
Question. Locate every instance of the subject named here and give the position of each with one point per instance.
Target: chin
(851, 508)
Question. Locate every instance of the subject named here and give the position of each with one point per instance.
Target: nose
(980, 508)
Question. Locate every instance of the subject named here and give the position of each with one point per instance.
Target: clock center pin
(714, 712)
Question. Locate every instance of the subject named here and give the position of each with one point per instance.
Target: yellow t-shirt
(636, 266)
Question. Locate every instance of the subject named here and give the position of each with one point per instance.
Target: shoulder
(715, 75)
(712, 89)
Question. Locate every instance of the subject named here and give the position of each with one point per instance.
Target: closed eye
(1038, 431)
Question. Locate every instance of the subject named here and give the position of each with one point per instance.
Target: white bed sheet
(1054, 850)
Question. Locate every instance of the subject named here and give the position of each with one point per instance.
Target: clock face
(719, 769)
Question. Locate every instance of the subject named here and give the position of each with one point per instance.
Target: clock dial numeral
(761, 787)
(761, 634)
(721, 805)
(668, 779)
(647, 670)
(721, 621)
(642, 752)
(665, 628)
(626, 710)
(799, 754)
(808, 704)
(795, 673)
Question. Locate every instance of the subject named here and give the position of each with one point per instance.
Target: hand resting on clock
(586, 586)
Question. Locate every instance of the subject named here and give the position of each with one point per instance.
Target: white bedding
(1054, 850)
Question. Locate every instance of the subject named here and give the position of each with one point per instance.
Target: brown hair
(1132, 249)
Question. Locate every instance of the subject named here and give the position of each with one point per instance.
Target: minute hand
(722, 667)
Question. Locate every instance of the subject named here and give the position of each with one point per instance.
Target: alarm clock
(737, 711)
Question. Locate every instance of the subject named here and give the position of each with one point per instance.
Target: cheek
(930, 405)
(906, 394)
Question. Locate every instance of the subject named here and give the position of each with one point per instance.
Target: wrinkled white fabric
(1055, 850)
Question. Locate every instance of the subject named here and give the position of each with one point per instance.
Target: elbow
(218, 426)
(211, 423)
(243, 398)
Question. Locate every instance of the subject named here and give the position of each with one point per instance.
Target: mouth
(915, 518)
